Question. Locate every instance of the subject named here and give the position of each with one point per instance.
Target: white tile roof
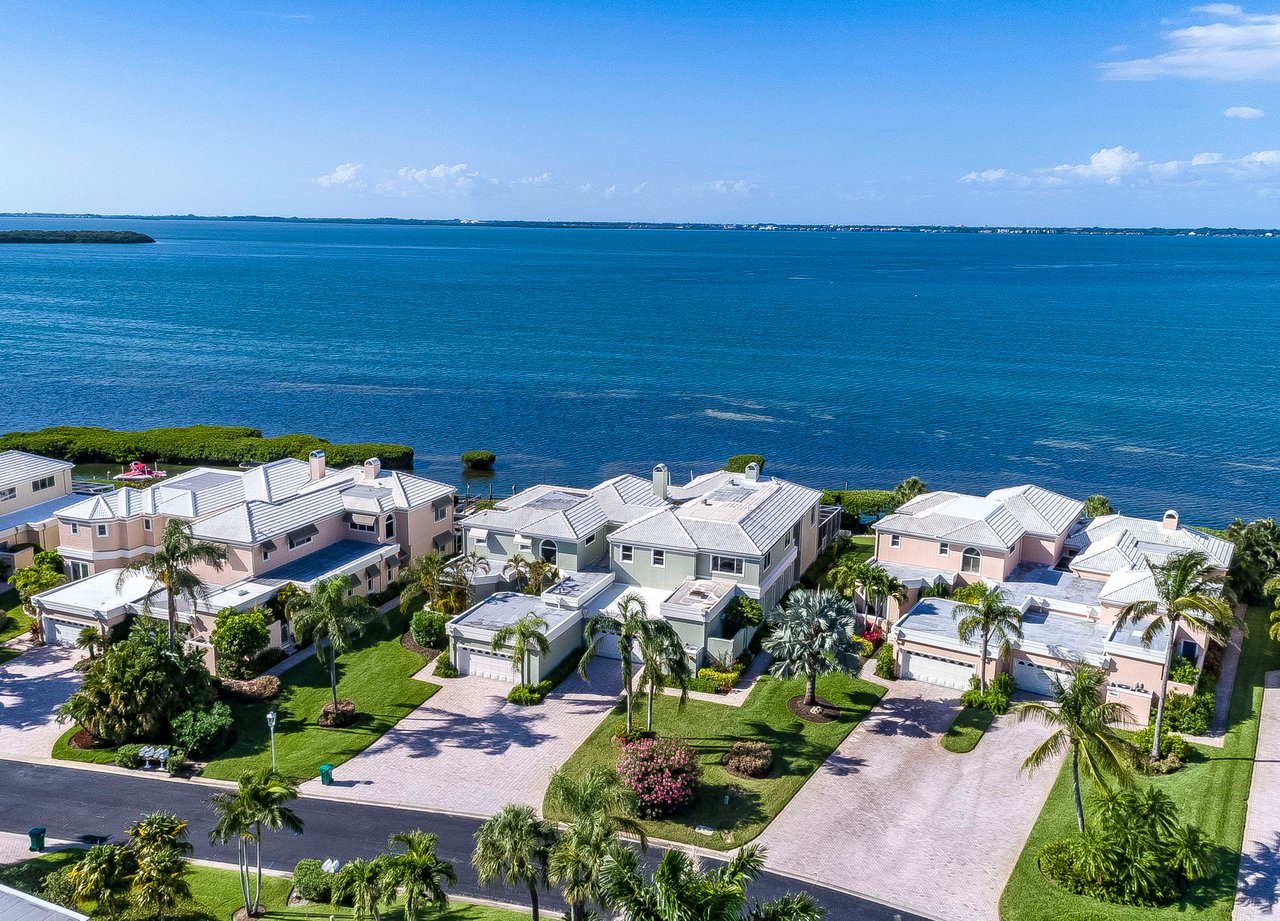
(1139, 539)
(545, 511)
(19, 466)
(997, 521)
(1039, 511)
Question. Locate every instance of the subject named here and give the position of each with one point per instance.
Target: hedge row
(857, 502)
(195, 444)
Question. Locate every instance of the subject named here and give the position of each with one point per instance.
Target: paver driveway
(894, 816)
(468, 750)
(32, 686)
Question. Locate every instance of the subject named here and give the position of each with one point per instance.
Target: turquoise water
(1141, 367)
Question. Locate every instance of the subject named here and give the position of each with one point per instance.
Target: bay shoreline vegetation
(74, 236)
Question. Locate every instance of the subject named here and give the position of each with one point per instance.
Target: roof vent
(753, 471)
(372, 469)
(1170, 521)
(661, 480)
(316, 461)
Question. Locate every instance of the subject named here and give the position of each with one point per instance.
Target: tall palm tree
(101, 876)
(159, 880)
(418, 871)
(516, 569)
(233, 823)
(812, 636)
(170, 568)
(851, 577)
(529, 632)
(367, 885)
(330, 612)
(1272, 588)
(468, 566)
(630, 618)
(1082, 723)
(515, 846)
(663, 663)
(880, 588)
(157, 830)
(576, 861)
(431, 575)
(988, 617)
(259, 804)
(678, 889)
(1186, 587)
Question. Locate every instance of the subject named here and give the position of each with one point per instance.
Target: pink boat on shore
(139, 471)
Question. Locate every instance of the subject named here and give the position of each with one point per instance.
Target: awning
(269, 546)
(524, 542)
(303, 533)
(357, 518)
(443, 502)
(479, 533)
(372, 570)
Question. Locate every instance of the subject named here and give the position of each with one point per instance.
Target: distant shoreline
(45, 237)
(679, 225)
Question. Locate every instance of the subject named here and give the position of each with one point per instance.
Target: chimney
(372, 467)
(316, 461)
(753, 471)
(661, 480)
(1170, 521)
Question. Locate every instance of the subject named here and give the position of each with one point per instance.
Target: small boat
(139, 471)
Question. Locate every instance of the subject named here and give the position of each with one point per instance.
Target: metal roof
(19, 466)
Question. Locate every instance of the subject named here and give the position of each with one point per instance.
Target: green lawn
(966, 729)
(798, 749)
(1211, 791)
(378, 676)
(216, 895)
(16, 623)
(863, 546)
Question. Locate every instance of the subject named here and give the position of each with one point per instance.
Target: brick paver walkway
(467, 750)
(1258, 888)
(893, 816)
(32, 687)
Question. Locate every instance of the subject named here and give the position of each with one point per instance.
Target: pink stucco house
(1070, 576)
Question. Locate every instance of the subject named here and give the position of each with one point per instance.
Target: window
(75, 529)
(970, 560)
(391, 527)
(895, 541)
(768, 558)
(813, 516)
(146, 524)
(45, 482)
(300, 541)
(360, 526)
(78, 570)
(548, 551)
(442, 513)
(591, 539)
(944, 550)
(9, 493)
(266, 554)
(659, 558)
(730, 565)
(102, 530)
(626, 553)
(368, 584)
(1189, 650)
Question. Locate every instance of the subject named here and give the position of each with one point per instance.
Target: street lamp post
(271, 725)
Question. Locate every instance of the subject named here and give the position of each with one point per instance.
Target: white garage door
(61, 632)
(485, 665)
(1038, 679)
(608, 648)
(936, 670)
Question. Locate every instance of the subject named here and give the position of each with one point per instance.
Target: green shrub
(524, 695)
(127, 756)
(1058, 862)
(704, 686)
(177, 761)
(973, 698)
(478, 460)
(1189, 713)
(622, 737)
(996, 703)
(59, 888)
(427, 628)
(203, 731)
(238, 638)
(741, 612)
(859, 502)
(1171, 744)
(312, 882)
(884, 662)
(1183, 671)
(444, 668)
(723, 679)
(868, 647)
(268, 658)
(1002, 684)
(738, 463)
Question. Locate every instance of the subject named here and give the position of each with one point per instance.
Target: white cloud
(344, 174)
(1235, 46)
(544, 179)
(1243, 112)
(458, 179)
(727, 187)
(1119, 166)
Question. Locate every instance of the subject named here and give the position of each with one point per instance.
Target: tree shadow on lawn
(744, 808)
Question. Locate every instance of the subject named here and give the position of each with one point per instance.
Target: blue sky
(929, 112)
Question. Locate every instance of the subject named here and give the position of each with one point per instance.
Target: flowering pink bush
(874, 634)
(663, 774)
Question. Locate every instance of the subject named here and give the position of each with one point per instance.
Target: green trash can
(37, 839)
(326, 775)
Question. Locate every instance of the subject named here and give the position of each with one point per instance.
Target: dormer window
(267, 549)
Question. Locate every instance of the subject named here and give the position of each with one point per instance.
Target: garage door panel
(939, 670)
(485, 665)
(61, 633)
(1035, 678)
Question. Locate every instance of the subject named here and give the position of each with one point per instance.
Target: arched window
(970, 560)
(548, 551)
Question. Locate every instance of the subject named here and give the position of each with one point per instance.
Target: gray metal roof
(41, 512)
(1041, 512)
(19, 466)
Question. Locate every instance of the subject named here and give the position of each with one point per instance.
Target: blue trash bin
(37, 839)
(326, 775)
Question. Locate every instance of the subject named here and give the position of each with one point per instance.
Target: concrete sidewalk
(1258, 887)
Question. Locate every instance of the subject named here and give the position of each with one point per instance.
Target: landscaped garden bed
(798, 748)
(1211, 791)
(967, 729)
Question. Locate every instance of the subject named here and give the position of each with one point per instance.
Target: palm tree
(367, 885)
(30, 581)
(232, 823)
(985, 614)
(159, 830)
(850, 577)
(529, 631)
(430, 575)
(542, 575)
(102, 876)
(1186, 587)
(679, 889)
(515, 847)
(170, 568)
(468, 566)
(258, 804)
(908, 489)
(418, 871)
(1082, 723)
(598, 807)
(812, 636)
(626, 624)
(160, 880)
(91, 640)
(663, 663)
(331, 612)
(880, 588)
(517, 569)
(1272, 588)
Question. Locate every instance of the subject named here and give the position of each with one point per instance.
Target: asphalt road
(89, 806)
